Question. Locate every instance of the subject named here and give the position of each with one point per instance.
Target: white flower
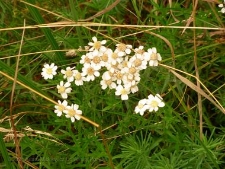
(115, 58)
(130, 68)
(139, 52)
(68, 74)
(72, 112)
(49, 71)
(118, 77)
(123, 49)
(97, 46)
(122, 91)
(64, 89)
(128, 80)
(153, 57)
(79, 79)
(90, 72)
(96, 60)
(131, 78)
(60, 107)
(222, 6)
(85, 59)
(107, 81)
(154, 102)
(138, 62)
(141, 107)
(105, 57)
(134, 88)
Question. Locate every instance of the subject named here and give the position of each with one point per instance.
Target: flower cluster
(122, 70)
(71, 111)
(150, 104)
(222, 6)
(119, 69)
(64, 88)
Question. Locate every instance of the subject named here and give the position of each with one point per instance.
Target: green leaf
(9, 71)
(4, 153)
(47, 32)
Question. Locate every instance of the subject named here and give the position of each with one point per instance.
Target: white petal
(121, 54)
(161, 104)
(72, 119)
(64, 95)
(150, 97)
(154, 50)
(159, 57)
(142, 113)
(156, 109)
(67, 84)
(149, 51)
(151, 62)
(77, 117)
(155, 63)
(103, 42)
(128, 51)
(50, 76)
(94, 39)
(124, 97)
(223, 10)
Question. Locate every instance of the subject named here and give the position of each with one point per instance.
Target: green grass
(170, 138)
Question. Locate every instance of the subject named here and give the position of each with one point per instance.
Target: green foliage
(169, 138)
(137, 151)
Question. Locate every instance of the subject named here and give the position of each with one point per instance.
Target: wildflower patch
(119, 70)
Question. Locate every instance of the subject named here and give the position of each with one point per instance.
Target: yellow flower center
(49, 71)
(125, 63)
(132, 70)
(154, 56)
(78, 76)
(108, 82)
(71, 112)
(123, 91)
(140, 106)
(90, 71)
(114, 56)
(119, 75)
(87, 60)
(61, 89)
(97, 45)
(96, 59)
(105, 57)
(137, 62)
(154, 103)
(61, 108)
(140, 51)
(121, 47)
(69, 73)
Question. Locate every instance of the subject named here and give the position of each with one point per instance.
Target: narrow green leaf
(10, 71)
(75, 13)
(47, 32)
(4, 153)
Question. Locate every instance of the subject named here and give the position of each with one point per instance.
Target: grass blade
(47, 32)
(4, 153)
(8, 70)
(197, 89)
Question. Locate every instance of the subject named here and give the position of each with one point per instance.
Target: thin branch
(18, 153)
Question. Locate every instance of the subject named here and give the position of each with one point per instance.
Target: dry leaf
(197, 89)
